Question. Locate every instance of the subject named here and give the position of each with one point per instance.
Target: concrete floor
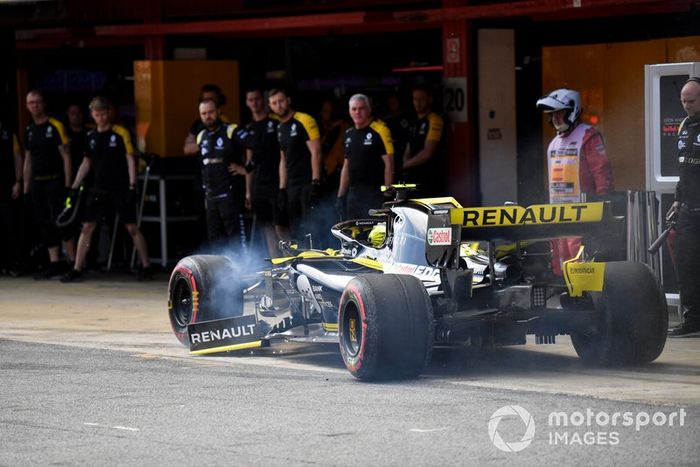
(117, 313)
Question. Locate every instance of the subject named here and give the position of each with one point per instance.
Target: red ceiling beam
(363, 22)
(514, 9)
(365, 28)
(336, 20)
(235, 25)
(669, 6)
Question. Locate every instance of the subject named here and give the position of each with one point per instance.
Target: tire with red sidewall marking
(202, 288)
(385, 326)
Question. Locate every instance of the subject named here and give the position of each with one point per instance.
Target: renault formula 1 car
(426, 273)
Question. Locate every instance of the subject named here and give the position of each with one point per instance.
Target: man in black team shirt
(300, 164)
(221, 145)
(76, 133)
(208, 92)
(687, 206)
(399, 125)
(190, 148)
(423, 159)
(262, 163)
(369, 163)
(47, 176)
(110, 155)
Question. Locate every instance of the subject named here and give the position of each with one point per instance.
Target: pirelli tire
(632, 320)
(385, 326)
(202, 288)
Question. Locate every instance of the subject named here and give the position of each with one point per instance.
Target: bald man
(687, 205)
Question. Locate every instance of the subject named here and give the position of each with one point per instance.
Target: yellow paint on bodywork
(538, 214)
(583, 277)
(307, 254)
(442, 200)
(228, 348)
(370, 263)
(397, 186)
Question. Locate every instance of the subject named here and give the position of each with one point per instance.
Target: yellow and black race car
(426, 273)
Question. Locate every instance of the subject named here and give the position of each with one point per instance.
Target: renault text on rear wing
(539, 214)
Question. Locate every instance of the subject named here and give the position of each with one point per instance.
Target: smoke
(231, 266)
(322, 217)
(225, 270)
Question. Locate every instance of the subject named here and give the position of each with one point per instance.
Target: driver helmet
(377, 235)
(561, 99)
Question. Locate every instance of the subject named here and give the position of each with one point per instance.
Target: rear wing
(447, 228)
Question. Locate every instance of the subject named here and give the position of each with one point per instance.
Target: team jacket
(293, 135)
(43, 141)
(578, 163)
(364, 148)
(688, 188)
(266, 153)
(217, 149)
(107, 152)
(428, 128)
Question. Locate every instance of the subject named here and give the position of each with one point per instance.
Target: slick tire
(632, 318)
(202, 288)
(385, 327)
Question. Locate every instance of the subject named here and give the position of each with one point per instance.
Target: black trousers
(48, 198)
(225, 222)
(299, 210)
(688, 262)
(361, 199)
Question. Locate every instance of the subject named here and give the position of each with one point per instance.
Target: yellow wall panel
(167, 93)
(624, 111)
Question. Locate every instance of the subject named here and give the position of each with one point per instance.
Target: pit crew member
(300, 164)
(47, 176)
(109, 153)
(423, 159)
(369, 160)
(687, 204)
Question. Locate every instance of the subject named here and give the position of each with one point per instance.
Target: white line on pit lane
(116, 427)
(429, 430)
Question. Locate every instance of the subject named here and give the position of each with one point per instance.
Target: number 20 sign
(455, 98)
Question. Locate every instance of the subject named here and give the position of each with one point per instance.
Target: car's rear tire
(202, 288)
(385, 326)
(632, 318)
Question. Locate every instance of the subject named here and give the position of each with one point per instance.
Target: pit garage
(102, 379)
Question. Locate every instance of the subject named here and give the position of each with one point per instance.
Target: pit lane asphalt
(92, 375)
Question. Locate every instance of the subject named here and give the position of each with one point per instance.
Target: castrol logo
(440, 236)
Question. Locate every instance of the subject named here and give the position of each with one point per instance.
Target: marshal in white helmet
(562, 99)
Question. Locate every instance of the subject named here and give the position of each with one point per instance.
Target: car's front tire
(632, 318)
(202, 288)
(385, 324)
